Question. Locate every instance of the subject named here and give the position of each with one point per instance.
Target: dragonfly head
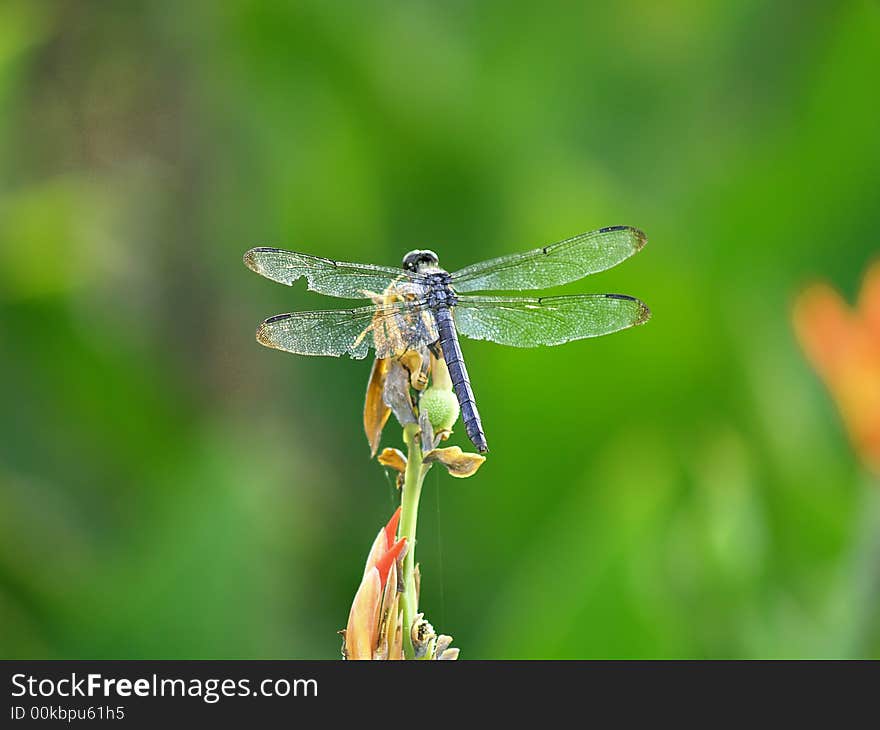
(419, 260)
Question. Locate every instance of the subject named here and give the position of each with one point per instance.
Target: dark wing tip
(640, 238)
(644, 311)
(251, 260)
(276, 318)
(263, 332)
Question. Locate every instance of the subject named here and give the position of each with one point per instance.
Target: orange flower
(375, 623)
(843, 345)
(375, 628)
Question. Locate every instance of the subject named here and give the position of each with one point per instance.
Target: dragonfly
(422, 304)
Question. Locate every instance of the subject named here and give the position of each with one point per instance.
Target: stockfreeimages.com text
(209, 690)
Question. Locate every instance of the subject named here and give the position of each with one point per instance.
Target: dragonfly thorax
(420, 259)
(439, 290)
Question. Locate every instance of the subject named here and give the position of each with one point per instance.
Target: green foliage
(168, 488)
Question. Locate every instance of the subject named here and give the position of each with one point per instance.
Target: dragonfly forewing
(553, 265)
(325, 276)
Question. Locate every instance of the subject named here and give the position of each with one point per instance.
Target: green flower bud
(442, 408)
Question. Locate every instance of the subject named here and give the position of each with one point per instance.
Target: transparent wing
(529, 322)
(390, 328)
(553, 265)
(325, 276)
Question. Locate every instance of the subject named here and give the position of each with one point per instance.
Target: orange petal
(844, 347)
(383, 542)
(363, 619)
(391, 528)
(825, 327)
(869, 301)
(377, 550)
(383, 564)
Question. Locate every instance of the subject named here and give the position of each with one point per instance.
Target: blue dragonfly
(422, 304)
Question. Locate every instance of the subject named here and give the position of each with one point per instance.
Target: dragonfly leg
(360, 337)
(373, 296)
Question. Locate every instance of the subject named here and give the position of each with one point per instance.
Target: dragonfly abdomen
(460, 380)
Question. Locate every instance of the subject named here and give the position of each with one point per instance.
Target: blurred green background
(170, 489)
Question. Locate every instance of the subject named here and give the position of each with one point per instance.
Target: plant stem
(409, 515)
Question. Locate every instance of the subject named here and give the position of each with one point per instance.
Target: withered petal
(443, 642)
(396, 394)
(427, 431)
(376, 411)
(423, 637)
(441, 435)
(442, 650)
(457, 462)
(393, 458)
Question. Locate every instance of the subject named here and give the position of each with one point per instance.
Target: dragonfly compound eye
(419, 259)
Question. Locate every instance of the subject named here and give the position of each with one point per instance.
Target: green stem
(409, 515)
